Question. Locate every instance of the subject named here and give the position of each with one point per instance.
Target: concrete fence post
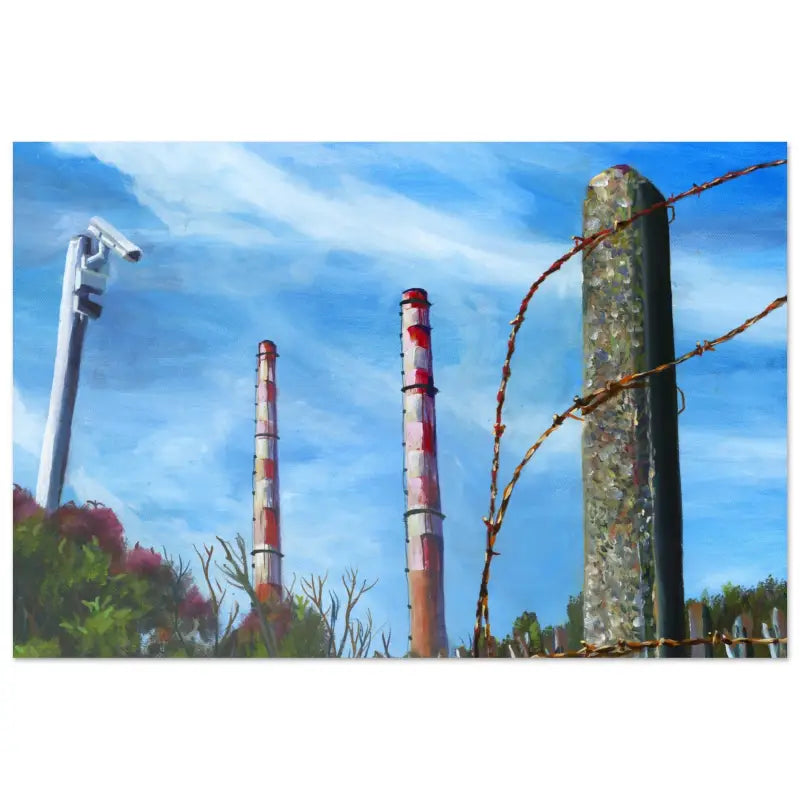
(633, 566)
(423, 516)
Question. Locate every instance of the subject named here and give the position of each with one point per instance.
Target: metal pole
(71, 329)
(662, 396)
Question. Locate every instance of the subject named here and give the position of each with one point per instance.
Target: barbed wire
(623, 647)
(587, 243)
(586, 405)
(581, 244)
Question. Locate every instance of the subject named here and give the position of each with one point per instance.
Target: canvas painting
(386, 401)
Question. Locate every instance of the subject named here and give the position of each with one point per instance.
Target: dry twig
(217, 597)
(237, 574)
(356, 633)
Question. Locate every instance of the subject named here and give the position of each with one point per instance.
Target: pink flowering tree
(79, 590)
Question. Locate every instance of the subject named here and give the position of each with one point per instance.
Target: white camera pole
(85, 273)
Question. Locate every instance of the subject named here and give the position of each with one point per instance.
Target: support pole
(633, 576)
(423, 517)
(71, 330)
(662, 395)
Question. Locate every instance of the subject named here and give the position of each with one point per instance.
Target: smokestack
(266, 501)
(423, 516)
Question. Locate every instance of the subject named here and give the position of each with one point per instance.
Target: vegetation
(733, 600)
(528, 637)
(80, 590)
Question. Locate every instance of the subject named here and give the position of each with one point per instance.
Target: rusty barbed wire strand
(623, 647)
(586, 405)
(589, 243)
(581, 244)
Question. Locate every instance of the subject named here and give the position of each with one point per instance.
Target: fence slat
(743, 649)
(700, 627)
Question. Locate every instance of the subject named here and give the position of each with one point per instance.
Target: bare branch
(236, 571)
(313, 589)
(232, 614)
(350, 582)
(216, 599)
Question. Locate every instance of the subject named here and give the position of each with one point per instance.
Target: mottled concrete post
(424, 538)
(633, 577)
(266, 495)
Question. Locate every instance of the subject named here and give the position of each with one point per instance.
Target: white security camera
(110, 237)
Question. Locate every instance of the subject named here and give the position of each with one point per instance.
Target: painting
(400, 400)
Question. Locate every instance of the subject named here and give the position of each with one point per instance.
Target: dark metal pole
(663, 422)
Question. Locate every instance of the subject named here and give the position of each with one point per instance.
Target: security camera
(110, 237)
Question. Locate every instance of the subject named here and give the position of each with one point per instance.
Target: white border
(393, 71)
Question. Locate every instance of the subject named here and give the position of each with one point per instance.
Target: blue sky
(311, 245)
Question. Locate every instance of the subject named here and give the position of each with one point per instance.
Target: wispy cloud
(208, 184)
(712, 295)
(720, 455)
(28, 426)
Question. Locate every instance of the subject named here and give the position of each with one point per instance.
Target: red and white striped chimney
(423, 516)
(266, 500)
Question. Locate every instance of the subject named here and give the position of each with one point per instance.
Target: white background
(391, 71)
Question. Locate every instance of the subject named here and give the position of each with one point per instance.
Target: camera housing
(108, 235)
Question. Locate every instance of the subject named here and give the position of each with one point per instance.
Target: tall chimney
(423, 516)
(266, 501)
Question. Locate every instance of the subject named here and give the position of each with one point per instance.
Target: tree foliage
(80, 590)
(574, 623)
(734, 600)
(527, 637)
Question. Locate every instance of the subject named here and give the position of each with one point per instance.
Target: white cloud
(87, 487)
(712, 297)
(28, 426)
(205, 184)
(720, 455)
